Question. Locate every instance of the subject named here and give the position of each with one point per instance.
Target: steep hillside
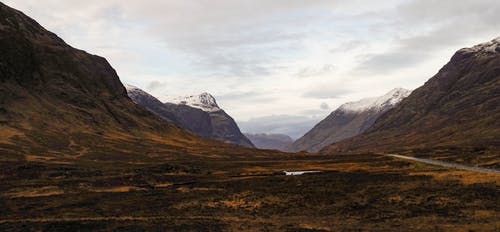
(458, 108)
(189, 118)
(348, 120)
(56, 100)
(199, 114)
(270, 141)
(226, 129)
(151, 103)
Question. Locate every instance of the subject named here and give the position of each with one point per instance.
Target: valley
(365, 191)
(81, 151)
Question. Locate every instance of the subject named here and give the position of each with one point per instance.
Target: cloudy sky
(274, 65)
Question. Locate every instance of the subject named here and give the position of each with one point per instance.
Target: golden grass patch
(186, 189)
(8, 133)
(163, 185)
(309, 226)
(45, 159)
(466, 177)
(247, 201)
(117, 189)
(35, 192)
(395, 199)
(38, 158)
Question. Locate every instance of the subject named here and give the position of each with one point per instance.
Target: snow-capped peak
(204, 101)
(130, 87)
(132, 90)
(490, 47)
(377, 103)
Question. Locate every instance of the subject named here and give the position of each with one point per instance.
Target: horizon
(260, 66)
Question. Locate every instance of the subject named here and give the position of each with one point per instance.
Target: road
(446, 164)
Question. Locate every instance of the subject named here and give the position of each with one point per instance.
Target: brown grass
(163, 185)
(118, 189)
(7, 133)
(247, 201)
(35, 192)
(465, 177)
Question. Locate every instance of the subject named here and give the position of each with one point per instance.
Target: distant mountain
(270, 141)
(199, 114)
(204, 101)
(294, 126)
(349, 120)
(458, 107)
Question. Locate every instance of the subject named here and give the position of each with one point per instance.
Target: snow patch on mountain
(376, 103)
(204, 101)
(134, 91)
(490, 47)
(130, 88)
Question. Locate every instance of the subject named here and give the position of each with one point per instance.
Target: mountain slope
(56, 100)
(204, 101)
(151, 103)
(270, 141)
(199, 114)
(226, 129)
(458, 107)
(349, 120)
(189, 118)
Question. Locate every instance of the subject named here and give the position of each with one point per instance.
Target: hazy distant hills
(348, 120)
(458, 107)
(270, 141)
(199, 114)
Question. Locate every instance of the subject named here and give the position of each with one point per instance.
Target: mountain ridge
(67, 104)
(199, 114)
(270, 141)
(203, 101)
(457, 107)
(348, 120)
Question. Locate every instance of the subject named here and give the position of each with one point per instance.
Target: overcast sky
(265, 60)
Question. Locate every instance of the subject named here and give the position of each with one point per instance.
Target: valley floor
(363, 192)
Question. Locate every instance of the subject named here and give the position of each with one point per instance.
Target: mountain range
(57, 98)
(458, 108)
(270, 141)
(62, 102)
(199, 114)
(78, 154)
(348, 120)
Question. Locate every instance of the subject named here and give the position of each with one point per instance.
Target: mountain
(192, 119)
(270, 141)
(59, 101)
(349, 120)
(292, 125)
(457, 108)
(199, 114)
(204, 101)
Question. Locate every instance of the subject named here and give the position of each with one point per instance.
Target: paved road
(446, 164)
